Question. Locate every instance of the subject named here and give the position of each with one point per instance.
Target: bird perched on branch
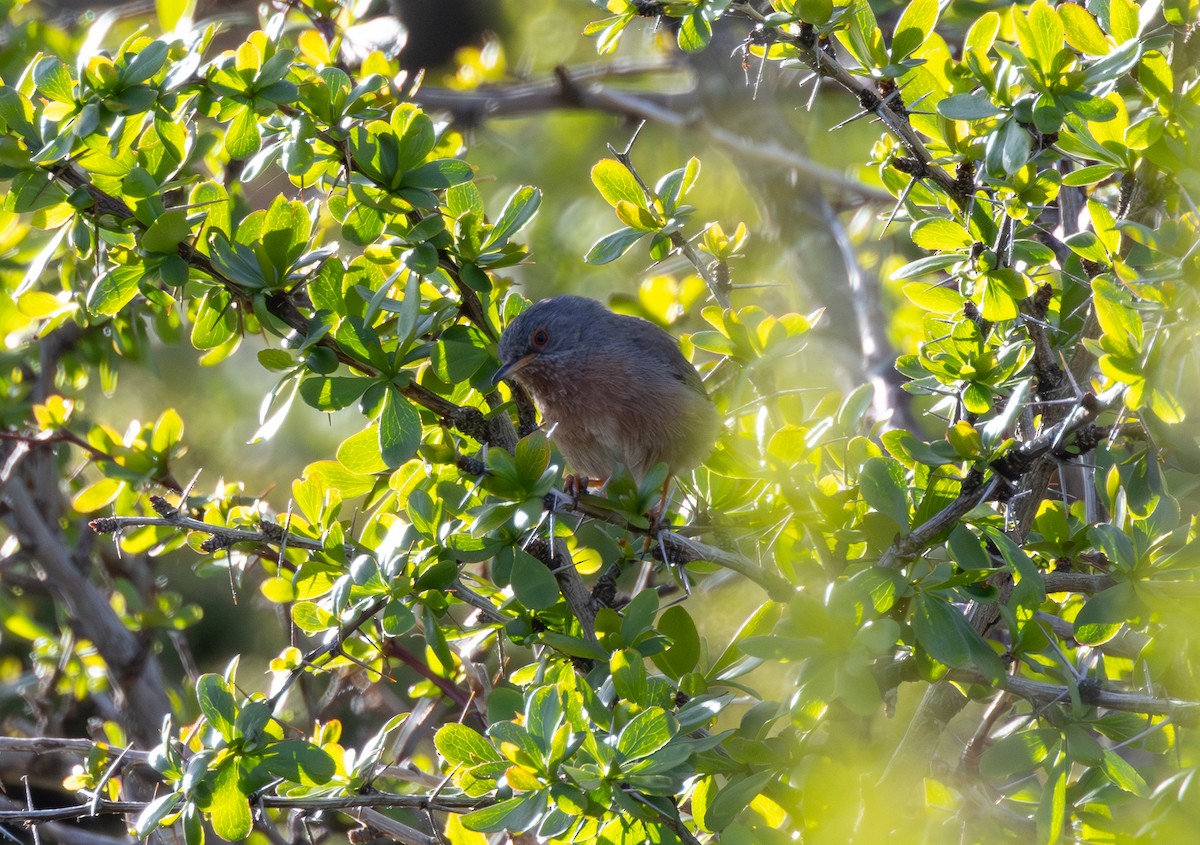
(615, 389)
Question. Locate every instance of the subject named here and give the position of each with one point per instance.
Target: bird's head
(546, 339)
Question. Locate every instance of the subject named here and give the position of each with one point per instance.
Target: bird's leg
(575, 486)
(656, 515)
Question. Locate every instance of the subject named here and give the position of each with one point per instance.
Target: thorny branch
(471, 421)
(439, 803)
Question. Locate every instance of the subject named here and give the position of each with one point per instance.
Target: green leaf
(630, 679)
(683, 654)
(884, 488)
(946, 634)
(333, 394)
(168, 431)
(940, 233)
(514, 815)
(461, 745)
(1017, 754)
(938, 299)
(533, 584)
(417, 136)
(638, 616)
(1087, 245)
(1104, 613)
(156, 811)
(518, 211)
(276, 360)
(964, 438)
(672, 187)
(613, 246)
(148, 61)
(734, 797)
(53, 79)
(1029, 591)
(166, 232)
(1122, 326)
(284, 235)
(97, 495)
(399, 430)
(311, 618)
(333, 475)
(976, 106)
(216, 322)
(398, 618)
(171, 12)
(1115, 63)
(242, 138)
(695, 32)
(928, 264)
(213, 200)
(1082, 31)
(1091, 174)
(299, 761)
(1166, 406)
(1092, 109)
(435, 175)
(217, 704)
(637, 217)
(646, 733)
(360, 453)
(1044, 36)
(1123, 20)
(863, 38)
(230, 809)
(1051, 811)
(1156, 76)
(1123, 774)
(615, 183)
(362, 225)
(115, 289)
(999, 293)
(814, 11)
(913, 28)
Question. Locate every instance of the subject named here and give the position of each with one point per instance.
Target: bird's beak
(512, 367)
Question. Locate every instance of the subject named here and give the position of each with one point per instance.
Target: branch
(1090, 692)
(67, 834)
(134, 669)
(221, 537)
(680, 549)
(1017, 461)
(719, 290)
(922, 166)
(497, 431)
(557, 557)
(270, 534)
(1076, 582)
(83, 747)
(437, 803)
(567, 92)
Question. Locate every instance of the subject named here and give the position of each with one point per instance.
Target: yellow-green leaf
(615, 183)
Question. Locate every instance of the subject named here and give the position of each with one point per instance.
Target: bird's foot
(659, 522)
(575, 486)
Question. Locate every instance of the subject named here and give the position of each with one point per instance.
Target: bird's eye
(539, 338)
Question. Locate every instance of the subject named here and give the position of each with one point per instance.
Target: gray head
(549, 335)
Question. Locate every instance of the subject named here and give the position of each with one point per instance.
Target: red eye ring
(539, 338)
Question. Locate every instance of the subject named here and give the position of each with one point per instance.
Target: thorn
(850, 120)
(918, 102)
(900, 202)
(812, 98)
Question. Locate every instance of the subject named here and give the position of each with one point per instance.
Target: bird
(612, 390)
